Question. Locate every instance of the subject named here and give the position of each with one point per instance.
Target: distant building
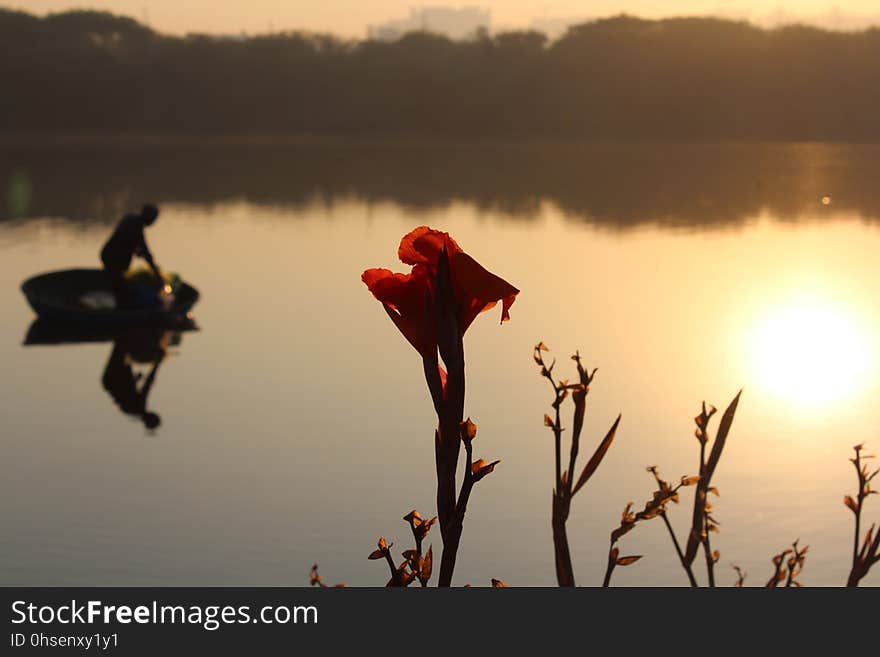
(455, 23)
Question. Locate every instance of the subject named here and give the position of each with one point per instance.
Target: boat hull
(55, 296)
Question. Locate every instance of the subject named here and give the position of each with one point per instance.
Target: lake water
(296, 425)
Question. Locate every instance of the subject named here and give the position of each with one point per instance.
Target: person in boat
(127, 241)
(121, 381)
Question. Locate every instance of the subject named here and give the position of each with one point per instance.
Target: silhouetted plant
(703, 523)
(436, 327)
(433, 306)
(400, 575)
(496, 584)
(788, 564)
(869, 553)
(655, 507)
(565, 488)
(315, 579)
(414, 566)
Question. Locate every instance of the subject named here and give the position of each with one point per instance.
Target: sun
(810, 352)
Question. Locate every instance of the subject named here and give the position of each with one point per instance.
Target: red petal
(478, 290)
(403, 296)
(442, 377)
(423, 245)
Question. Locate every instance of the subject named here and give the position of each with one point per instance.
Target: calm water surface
(296, 426)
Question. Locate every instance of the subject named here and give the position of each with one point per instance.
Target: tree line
(617, 78)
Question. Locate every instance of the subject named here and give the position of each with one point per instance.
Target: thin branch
(684, 563)
(710, 559)
(612, 563)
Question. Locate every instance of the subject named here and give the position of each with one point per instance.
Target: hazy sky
(351, 17)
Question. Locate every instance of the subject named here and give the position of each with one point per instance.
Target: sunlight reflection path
(811, 351)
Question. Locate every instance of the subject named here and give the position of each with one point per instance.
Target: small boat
(59, 296)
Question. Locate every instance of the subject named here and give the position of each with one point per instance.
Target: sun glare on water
(811, 352)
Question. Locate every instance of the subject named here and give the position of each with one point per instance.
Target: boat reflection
(132, 366)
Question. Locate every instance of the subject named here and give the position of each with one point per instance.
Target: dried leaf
(422, 527)
(484, 468)
(721, 438)
(712, 462)
(426, 565)
(740, 577)
(469, 429)
(626, 561)
(376, 554)
(314, 577)
(868, 538)
(690, 481)
(498, 584)
(851, 503)
(579, 397)
(596, 458)
(489, 468)
(548, 422)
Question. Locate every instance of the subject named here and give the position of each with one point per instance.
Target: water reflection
(300, 382)
(613, 185)
(132, 367)
(810, 351)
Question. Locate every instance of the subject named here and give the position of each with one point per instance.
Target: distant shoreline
(291, 140)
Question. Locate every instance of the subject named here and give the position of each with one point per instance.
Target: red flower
(410, 299)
